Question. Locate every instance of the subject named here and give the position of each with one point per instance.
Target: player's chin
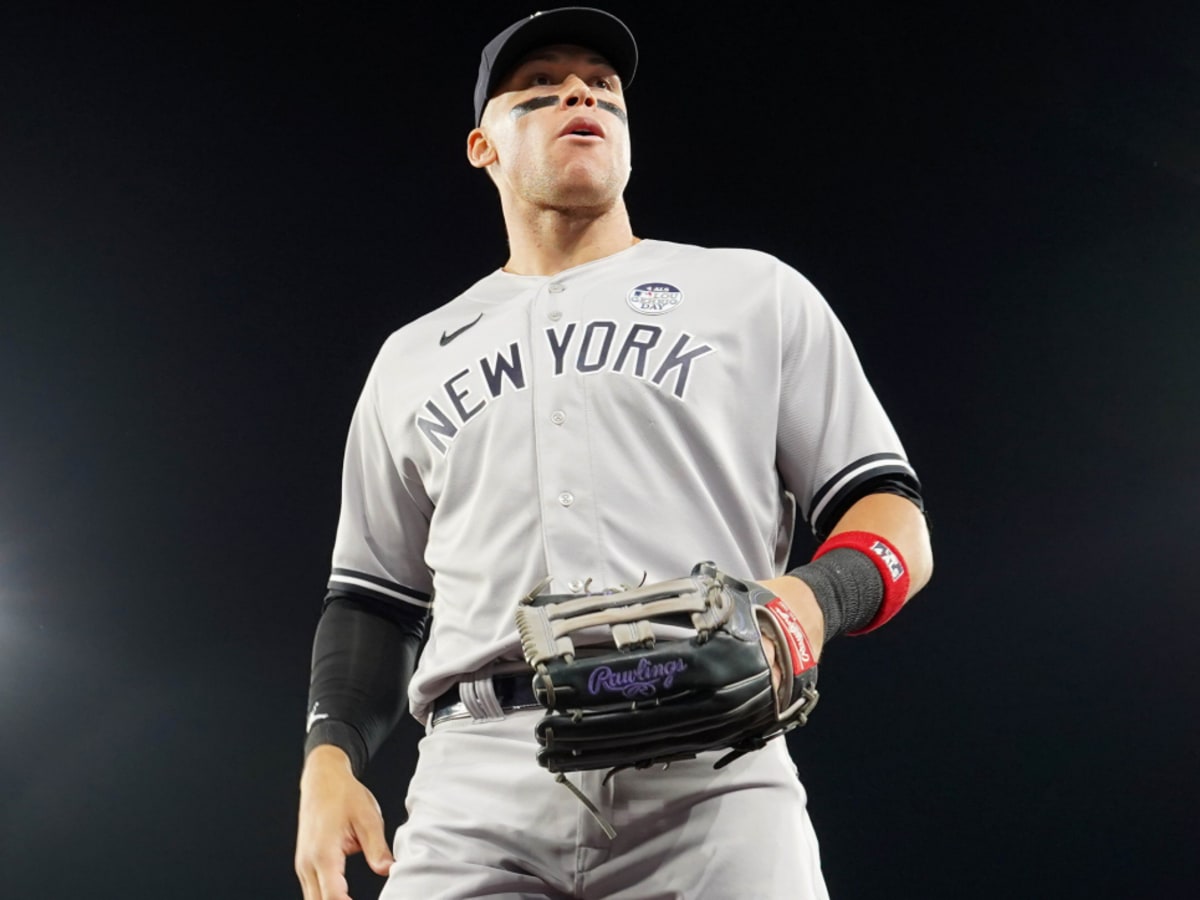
(592, 184)
(591, 153)
(584, 193)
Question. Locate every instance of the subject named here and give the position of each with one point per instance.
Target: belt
(513, 691)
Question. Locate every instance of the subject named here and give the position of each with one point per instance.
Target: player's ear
(480, 151)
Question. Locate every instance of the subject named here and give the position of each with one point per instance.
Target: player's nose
(577, 93)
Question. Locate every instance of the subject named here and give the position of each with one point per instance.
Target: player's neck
(548, 241)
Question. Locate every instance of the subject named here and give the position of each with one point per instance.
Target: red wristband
(887, 560)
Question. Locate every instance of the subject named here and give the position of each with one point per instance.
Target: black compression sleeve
(364, 655)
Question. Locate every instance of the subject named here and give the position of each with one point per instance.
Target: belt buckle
(446, 713)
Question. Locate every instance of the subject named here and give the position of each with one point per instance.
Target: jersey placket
(565, 483)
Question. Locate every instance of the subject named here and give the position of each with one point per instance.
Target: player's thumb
(374, 845)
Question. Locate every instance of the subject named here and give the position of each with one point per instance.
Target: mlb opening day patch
(655, 298)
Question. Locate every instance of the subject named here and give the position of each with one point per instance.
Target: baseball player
(602, 412)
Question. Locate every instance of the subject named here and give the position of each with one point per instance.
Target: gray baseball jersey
(617, 421)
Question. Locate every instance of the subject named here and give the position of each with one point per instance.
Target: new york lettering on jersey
(640, 350)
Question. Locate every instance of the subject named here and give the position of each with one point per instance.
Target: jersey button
(554, 315)
(575, 586)
(557, 288)
(558, 417)
(566, 498)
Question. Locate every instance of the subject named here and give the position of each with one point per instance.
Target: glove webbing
(546, 629)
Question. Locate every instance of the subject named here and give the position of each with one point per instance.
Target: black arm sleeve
(364, 655)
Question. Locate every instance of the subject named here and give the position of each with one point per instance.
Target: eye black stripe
(522, 109)
(614, 109)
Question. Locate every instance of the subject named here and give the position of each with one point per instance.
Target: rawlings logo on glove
(640, 681)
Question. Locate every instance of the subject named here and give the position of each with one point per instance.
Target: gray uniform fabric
(620, 420)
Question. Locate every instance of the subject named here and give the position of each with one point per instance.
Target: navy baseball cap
(581, 25)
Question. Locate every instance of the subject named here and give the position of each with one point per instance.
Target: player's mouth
(582, 127)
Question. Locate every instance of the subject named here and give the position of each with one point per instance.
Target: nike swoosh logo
(314, 717)
(447, 338)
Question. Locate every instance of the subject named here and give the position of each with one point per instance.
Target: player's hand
(338, 817)
(801, 601)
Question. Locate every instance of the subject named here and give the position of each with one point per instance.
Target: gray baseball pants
(485, 820)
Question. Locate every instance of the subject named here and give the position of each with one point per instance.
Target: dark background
(210, 218)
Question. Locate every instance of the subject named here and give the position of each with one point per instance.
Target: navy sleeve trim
(407, 616)
(374, 586)
(855, 481)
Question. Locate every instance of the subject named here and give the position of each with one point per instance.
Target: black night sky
(212, 216)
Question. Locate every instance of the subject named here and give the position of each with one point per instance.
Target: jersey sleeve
(384, 521)
(835, 440)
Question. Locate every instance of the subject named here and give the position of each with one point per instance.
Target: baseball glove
(681, 671)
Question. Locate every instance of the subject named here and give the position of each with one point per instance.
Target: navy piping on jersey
(877, 465)
(888, 480)
(373, 585)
